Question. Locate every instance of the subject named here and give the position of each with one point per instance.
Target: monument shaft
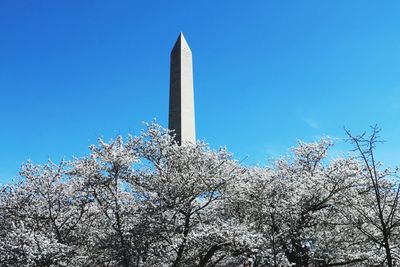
(181, 98)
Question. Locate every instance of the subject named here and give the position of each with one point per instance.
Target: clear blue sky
(267, 73)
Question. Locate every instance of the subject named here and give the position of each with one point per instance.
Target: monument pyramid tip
(181, 42)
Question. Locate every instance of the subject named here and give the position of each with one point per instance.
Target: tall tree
(377, 210)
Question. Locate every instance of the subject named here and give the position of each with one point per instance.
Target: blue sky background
(267, 73)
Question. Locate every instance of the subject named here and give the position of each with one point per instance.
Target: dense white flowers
(147, 201)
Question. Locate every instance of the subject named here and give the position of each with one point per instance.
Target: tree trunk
(388, 252)
(177, 262)
(298, 255)
(204, 260)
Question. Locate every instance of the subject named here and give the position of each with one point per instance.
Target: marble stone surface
(181, 98)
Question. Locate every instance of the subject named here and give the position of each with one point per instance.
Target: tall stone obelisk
(181, 96)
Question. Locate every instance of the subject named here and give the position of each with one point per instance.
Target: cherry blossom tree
(296, 206)
(41, 215)
(183, 188)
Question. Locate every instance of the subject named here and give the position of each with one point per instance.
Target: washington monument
(181, 97)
